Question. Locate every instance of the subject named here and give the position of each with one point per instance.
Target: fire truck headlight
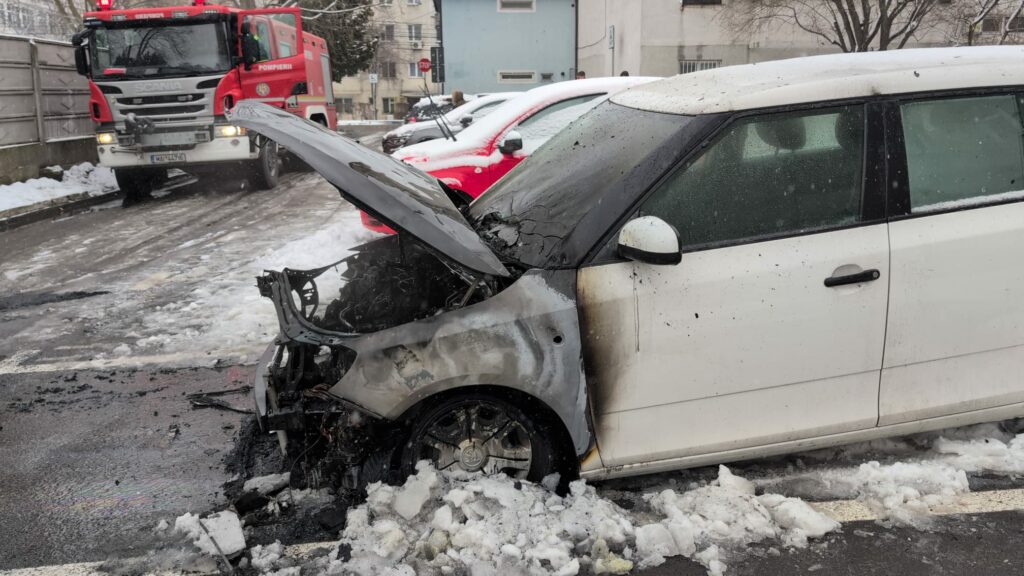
(106, 138)
(229, 131)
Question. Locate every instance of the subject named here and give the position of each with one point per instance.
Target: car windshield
(526, 215)
(160, 48)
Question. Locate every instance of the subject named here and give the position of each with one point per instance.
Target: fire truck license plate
(167, 158)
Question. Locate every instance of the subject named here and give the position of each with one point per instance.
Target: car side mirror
(513, 142)
(466, 120)
(650, 240)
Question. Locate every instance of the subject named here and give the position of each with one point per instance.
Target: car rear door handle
(859, 277)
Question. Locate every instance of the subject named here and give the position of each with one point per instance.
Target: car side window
(539, 128)
(485, 109)
(963, 151)
(768, 175)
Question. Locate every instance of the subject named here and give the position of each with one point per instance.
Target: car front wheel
(481, 433)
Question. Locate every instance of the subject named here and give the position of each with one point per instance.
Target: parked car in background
(724, 265)
(491, 147)
(427, 108)
(456, 120)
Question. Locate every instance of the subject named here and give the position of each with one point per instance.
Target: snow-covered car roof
(830, 77)
(482, 132)
(455, 114)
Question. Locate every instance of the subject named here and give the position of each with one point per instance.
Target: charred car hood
(406, 199)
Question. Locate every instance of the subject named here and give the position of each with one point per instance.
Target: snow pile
(271, 561)
(267, 484)
(440, 523)
(82, 178)
(220, 533)
(909, 476)
(702, 522)
(985, 454)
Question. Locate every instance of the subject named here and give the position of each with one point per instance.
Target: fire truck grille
(153, 111)
(164, 99)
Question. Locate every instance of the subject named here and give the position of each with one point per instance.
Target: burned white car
(723, 265)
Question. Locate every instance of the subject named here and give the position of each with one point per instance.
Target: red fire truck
(161, 79)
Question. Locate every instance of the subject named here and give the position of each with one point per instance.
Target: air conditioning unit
(417, 44)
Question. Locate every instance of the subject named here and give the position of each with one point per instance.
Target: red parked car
(486, 150)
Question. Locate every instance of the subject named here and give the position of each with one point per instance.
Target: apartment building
(407, 30)
(508, 45)
(668, 37)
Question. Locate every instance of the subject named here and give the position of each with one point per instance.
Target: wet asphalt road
(92, 459)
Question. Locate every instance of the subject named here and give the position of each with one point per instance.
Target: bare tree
(850, 25)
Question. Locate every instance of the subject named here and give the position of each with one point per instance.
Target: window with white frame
(388, 32)
(414, 70)
(517, 6)
(416, 32)
(688, 66)
(387, 70)
(517, 76)
(388, 105)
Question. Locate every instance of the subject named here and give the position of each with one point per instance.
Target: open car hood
(404, 198)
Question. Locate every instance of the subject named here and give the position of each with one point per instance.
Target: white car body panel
(592, 468)
(955, 341)
(737, 347)
(829, 77)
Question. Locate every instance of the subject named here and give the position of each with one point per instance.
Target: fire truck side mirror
(250, 50)
(80, 41)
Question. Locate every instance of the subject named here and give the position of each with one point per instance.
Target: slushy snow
(222, 528)
(456, 523)
(437, 523)
(267, 484)
(82, 178)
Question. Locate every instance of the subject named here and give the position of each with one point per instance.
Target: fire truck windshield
(159, 48)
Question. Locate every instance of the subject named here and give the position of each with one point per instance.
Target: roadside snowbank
(904, 478)
(455, 523)
(82, 178)
(439, 523)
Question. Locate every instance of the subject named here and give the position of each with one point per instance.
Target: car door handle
(859, 277)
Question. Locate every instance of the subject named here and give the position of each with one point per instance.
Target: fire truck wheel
(137, 183)
(265, 169)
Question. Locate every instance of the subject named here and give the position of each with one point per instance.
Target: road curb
(47, 210)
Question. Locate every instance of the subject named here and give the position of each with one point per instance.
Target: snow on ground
(82, 178)
(180, 274)
(457, 523)
(903, 478)
(228, 313)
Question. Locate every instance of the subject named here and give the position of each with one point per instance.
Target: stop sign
(424, 64)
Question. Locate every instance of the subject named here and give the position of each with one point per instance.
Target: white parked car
(729, 264)
(452, 122)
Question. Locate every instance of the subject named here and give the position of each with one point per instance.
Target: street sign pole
(373, 94)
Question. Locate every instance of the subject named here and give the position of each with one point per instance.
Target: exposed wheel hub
(477, 437)
(472, 457)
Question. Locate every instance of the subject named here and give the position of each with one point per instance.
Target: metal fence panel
(42, 97)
